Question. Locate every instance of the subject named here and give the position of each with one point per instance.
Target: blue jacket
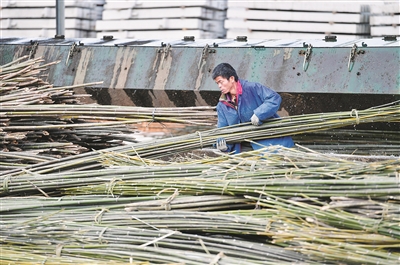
(252, 98)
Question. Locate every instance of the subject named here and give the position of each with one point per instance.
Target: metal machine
(313, 75)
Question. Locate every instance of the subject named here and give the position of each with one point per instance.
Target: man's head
(226, 78)
(225, 70)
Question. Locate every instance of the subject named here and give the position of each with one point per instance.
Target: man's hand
(255, 120)
(221, 144)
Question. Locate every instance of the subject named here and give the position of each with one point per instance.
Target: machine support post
(60, 17)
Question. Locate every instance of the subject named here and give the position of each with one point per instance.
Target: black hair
(225, 70)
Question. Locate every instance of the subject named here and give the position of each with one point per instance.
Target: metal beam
(60, 17)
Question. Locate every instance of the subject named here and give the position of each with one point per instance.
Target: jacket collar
(227, 98)
(239, 89)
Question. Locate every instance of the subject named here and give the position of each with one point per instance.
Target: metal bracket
(204, 54)
(307, 56)
(352, 57)
(71, 52)
(166, 49)
(355, 51)
(32, 49)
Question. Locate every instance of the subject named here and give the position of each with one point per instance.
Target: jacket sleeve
(223, 122)
(269, 100)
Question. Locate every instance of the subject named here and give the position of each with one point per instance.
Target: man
(243, 101)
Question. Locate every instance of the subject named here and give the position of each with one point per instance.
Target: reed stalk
(243, 132)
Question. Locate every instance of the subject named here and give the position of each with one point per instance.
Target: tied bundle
(41, 123)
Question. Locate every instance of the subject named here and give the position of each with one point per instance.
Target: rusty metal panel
(328, 70)
(290, 66)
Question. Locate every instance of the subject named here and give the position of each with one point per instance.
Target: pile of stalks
(40, 122)
(170, 146)
(271, 206)
(117, 201)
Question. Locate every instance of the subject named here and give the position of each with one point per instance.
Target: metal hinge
(354, 51)
(71, 52)
(307, 56)
(32, 49)
(204, 54)
(165, 50)
(352, 57)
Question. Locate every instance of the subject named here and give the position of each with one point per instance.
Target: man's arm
(271, 102)
(223, 122)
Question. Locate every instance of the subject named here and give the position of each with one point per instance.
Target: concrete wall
(205, 19)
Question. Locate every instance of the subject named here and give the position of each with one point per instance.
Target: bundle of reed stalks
(30, 205)
(12, 255)
(290, 173)
(116, 235)
(314, 228)
(47, 120)
(21, 84)
(277, 231)
(201, 115)
(22, 87)
(275, 205)
(293, 125)
(352, 141)
(279, 171)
